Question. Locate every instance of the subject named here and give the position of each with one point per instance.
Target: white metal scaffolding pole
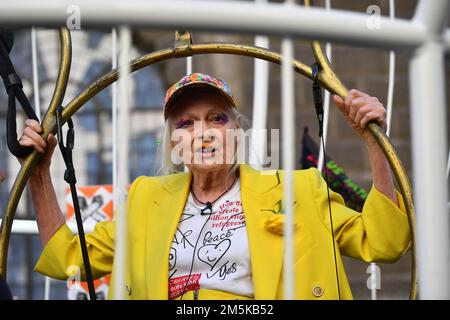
(448, 176)
(389, 105)
(122, 163)
(258, 144)
(288, 144)
(260, 98)
(429, 133)
(37, 96)
(188, 72)
(37, 108)
(188, 65)
(326, 106)
(448, 166)
(30, 227)
(114, 119)
(221, 16)
(391, 85)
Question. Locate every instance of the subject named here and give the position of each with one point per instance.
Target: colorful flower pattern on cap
(197, 78)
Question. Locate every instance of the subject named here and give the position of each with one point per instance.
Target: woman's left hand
(359, 109)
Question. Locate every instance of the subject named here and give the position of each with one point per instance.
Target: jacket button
(317, 291)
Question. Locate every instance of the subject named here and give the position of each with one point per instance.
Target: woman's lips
(206, 151)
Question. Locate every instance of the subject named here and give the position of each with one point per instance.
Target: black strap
(14, 89)
(318, 102)
(317, 96)
(70, 178)
(5, 292)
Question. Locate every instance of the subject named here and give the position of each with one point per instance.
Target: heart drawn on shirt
(212, 253)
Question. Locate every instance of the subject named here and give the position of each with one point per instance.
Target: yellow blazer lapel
(261, 195)
(261, 198)
(163, 218)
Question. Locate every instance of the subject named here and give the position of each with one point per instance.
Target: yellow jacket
(380, 233)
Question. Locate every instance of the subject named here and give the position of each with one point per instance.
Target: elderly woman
(216, 231)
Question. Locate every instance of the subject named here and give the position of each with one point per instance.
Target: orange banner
(96, 205)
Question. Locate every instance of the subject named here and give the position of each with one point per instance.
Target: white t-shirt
(221, 260)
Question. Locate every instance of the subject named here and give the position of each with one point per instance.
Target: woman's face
(203, 131)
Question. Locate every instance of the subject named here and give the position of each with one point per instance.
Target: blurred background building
(364, 69)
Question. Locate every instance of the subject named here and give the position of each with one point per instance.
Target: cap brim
(179, 92)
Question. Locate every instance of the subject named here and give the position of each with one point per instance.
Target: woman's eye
(219, 118)
(183, 124)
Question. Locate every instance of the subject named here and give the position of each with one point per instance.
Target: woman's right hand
(48, 214)
(31, 137)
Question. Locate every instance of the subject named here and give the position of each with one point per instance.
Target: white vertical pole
(288, 144)
(188, 65)
(188, 72)
(47, 288)
(427, 88)
(260, 101)
(373, 275)
(37, 100)
(390, 96)
(448, 176)
(326, 106)
(448, 165)
(122, 174)
(37, 110)
(389, 105)
(114, 118)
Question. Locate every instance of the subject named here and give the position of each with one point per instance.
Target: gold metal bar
(48, 125)
(406, 191)
(186, 51)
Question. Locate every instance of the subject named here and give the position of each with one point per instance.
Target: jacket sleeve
(61, 258)
(380, 233)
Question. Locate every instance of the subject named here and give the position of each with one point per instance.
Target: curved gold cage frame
(184, 48)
